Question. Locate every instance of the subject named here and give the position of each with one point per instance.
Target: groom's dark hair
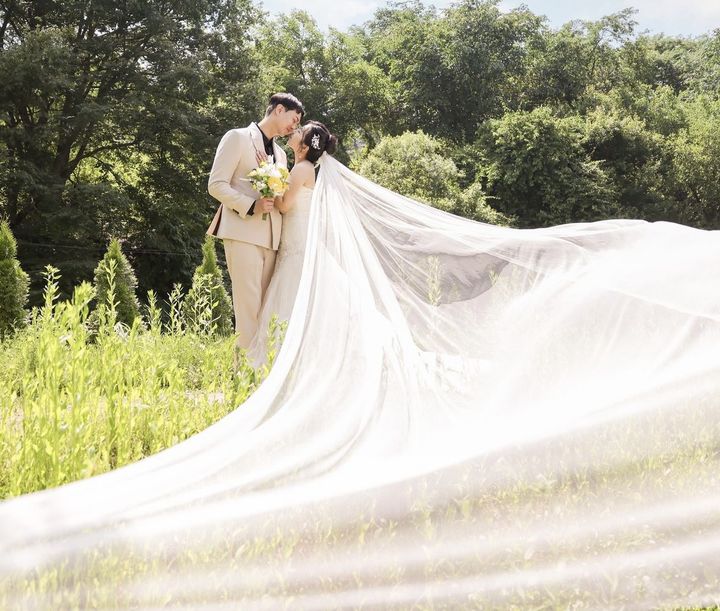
(288, 100)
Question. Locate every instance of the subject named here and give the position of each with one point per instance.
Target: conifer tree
(13, 283)
(114, 264)
(207, 300)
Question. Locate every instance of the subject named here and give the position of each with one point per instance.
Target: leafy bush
(535, 165)
(420, 167)
(634, 158)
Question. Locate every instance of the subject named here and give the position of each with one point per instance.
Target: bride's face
(295, 140)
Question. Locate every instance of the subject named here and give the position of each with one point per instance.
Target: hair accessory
(315, 142)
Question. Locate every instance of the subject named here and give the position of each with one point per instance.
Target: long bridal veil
(461, 416)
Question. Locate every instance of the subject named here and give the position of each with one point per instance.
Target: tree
(413, 164)
(13, 283)
(110, 113)
(453, 70)
(420, 167)
(664, 61)
(535, 165)
(330, 74)
(707, 75)
(207, 302)
(115, 270)
(485, 58)
(580, 57)
(401, 40)
(292, 49)
(696, 165)
(635, 160)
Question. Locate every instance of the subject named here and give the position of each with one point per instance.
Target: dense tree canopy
(110, 114)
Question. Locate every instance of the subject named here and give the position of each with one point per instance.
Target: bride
(308, 143)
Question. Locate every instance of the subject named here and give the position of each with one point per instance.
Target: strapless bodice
(295, 225)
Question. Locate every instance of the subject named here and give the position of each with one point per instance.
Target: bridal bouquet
(269, 179)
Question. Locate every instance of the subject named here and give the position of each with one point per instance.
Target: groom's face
(288, 120)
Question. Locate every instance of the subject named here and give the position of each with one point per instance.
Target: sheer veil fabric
(461, 416)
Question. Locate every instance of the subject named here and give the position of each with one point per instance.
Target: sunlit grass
(81, 394)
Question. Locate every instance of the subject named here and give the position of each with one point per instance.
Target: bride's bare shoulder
(304, 172)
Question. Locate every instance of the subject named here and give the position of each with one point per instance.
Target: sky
(673, 17)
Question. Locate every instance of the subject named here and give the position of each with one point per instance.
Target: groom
(250, 242)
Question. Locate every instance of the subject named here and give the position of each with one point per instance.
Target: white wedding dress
(281, 293)
(461, 416)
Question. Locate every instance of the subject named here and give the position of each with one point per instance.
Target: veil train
(461, 416)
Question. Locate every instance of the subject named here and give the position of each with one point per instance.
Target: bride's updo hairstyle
(318, 139)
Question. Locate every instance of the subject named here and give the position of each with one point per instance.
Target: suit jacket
(234, 159)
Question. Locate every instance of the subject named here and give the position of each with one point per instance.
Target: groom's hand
(266, 204)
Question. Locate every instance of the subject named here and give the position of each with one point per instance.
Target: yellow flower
(276, 184)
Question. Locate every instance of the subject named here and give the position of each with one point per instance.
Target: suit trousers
(250, 268)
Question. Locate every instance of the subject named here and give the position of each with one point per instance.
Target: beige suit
(250, 242)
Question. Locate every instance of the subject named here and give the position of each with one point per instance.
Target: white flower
(315, 142)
